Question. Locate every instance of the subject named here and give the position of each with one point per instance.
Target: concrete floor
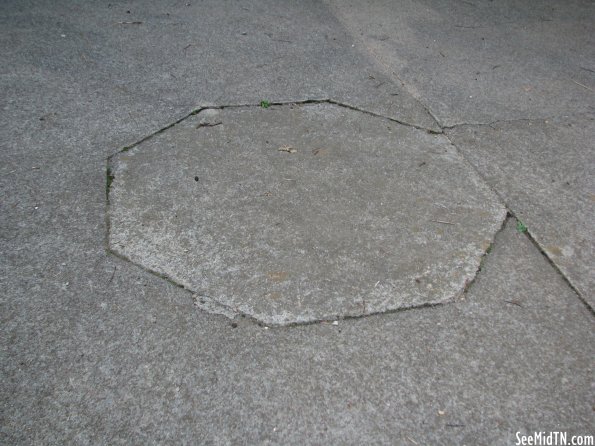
(96, 349)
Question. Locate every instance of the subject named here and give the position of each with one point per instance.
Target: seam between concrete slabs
(513, 121)
(225, 309)
(201, 108)
(557, 269)
(528, 232)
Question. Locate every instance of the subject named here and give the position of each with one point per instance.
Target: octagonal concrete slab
(300, 213)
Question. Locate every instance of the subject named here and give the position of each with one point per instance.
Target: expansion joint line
(511, 213)
(468, 285)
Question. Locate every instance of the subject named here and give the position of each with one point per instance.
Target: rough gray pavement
(545, 172)
(300, 213)
(473, 62)
(95, 350)
(515, 85)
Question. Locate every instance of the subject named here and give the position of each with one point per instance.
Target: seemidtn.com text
(553, 439)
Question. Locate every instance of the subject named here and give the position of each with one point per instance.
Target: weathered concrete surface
(94, 350)
(545, 172)
(499, 62)
(135, 363)
(483, 61)
(302, 213)
(182, 55)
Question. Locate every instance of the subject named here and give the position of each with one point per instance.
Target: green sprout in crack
(520, 226)
(265, 104)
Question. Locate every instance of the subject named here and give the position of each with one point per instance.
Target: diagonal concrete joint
(298, 213)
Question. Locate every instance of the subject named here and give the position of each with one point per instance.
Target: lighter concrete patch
(299, 213)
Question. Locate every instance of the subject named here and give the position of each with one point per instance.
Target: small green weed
(265, 104)
(520, 226)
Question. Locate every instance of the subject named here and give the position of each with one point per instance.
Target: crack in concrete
(513, 121)
(233, 313)
(533, 240)
(226, 309)
(202, 300)
(109, 171)
(271, 104)
(387, 68)
(513, 214)
(378, 115)
(237, 313)
(485, 255)
(165, 277)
